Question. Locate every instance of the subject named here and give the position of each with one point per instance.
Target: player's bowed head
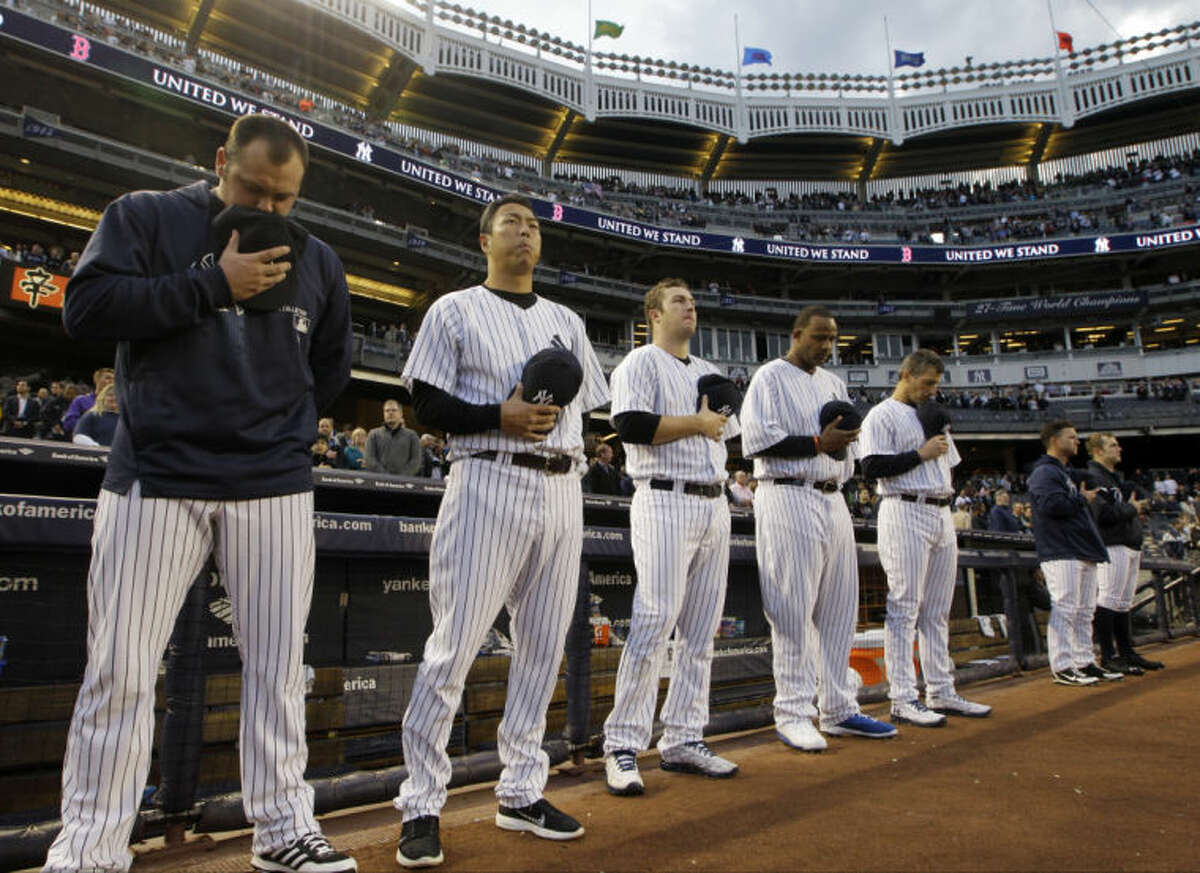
(814, 334)
(920, 377)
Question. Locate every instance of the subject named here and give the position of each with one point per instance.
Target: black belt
(548, 464)
(922, 498)
(696, 489)
(826, 485)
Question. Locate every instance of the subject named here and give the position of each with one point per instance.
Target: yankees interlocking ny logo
(37, 284)
(543, 398)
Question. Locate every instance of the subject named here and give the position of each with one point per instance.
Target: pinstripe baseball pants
(808, 571)
(1072, 586)
(1117, 580)
(145, 554)
(681, 552)
(919, 552)
(505, 536)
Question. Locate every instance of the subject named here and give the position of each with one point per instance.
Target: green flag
(609, 28)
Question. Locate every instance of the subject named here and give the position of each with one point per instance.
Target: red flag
(1065, 42)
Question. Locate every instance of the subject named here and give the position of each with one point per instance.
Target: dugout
(366, 630)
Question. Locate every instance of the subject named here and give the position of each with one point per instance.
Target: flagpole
(589, 102)
(741, 124)
(1064, 112)
(893, 118)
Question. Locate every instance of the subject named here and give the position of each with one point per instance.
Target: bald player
(918, 546)
(679, 522)
(807, 562)
(509, 531)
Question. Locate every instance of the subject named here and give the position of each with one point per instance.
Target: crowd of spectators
(793, 216)
(62, 410)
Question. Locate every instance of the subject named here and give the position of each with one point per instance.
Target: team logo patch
(300, 322)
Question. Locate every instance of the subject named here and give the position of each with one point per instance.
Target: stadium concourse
(1057, 779)
(1032, 222)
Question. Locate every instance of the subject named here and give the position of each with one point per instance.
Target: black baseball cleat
(309, 854)
(420, 845)
(1096, 672)
(1120, 665)
(1071, 676)
(540, 819)
(1145, 663)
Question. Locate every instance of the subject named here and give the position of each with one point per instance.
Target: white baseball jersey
(783, 400)
(892, 428)
(681, 553)
(473, 344)
(653, 380)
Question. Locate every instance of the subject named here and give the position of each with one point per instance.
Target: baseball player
(1069, 547)
(917, 542)
(196, 339)
(510, 528)
(1118, 513)
(679, 521)
(807, 563)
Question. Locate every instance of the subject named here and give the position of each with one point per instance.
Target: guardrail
(1040, 91)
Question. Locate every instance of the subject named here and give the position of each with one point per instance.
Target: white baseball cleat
(621, 773)
(916, 713)
(952, 704)
(697, 757)
(801, 735)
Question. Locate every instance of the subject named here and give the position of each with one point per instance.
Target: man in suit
(602, 477)
(21, 412)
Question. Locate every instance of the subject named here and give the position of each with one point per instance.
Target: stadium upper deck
(452, 69)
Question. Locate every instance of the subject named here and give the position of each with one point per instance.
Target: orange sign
(38, 288)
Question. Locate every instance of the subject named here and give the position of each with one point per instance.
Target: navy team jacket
(215, 401)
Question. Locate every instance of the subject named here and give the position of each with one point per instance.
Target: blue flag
(755, 56)
(909, 59)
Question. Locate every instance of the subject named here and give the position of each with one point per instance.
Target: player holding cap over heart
(509, 531)
(798, 425)
(665, 405)
(907, 446)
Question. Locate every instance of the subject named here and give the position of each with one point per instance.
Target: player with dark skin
(812, 345)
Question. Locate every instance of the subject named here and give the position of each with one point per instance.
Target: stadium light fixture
(1164, 330)
(1172, 321)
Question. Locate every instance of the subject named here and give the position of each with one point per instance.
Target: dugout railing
(369, 621)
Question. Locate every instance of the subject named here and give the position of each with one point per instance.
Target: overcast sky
(805, 36)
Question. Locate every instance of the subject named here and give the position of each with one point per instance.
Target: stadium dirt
(1059, 778)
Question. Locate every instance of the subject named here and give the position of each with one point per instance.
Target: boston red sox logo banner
(38, 288)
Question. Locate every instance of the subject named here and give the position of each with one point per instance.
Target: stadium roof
(362, 65)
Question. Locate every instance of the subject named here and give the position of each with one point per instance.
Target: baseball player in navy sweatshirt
(225, 353)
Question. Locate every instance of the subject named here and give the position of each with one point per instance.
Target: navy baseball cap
(723, 395)
(851, 419)
(552, 376)
(258, 230)
(933, 417)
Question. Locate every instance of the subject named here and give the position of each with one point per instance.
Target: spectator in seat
(602, 477)
(740, 490)
(85, 401)
(320, 452)
(333, 445)
(393, 448)
(1002, 518)
(433, 465)
(97, 426)
(354, 455)
(50, 425)
(21, 413)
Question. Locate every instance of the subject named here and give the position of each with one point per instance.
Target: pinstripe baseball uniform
(182, 484)
(1072, 585)
(506, 536)
(807, 563)
(919, 552)
(680, 551)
